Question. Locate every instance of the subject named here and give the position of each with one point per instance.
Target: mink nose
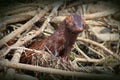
(80, 26)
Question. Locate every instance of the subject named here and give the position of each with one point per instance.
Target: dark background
(11, 2)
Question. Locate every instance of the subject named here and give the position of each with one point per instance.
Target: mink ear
(68, 19)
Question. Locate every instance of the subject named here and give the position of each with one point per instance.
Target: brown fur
(61, 42)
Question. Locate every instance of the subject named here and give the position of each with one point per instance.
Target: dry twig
(99, 45)
(30, 35)
(100, 14)
(87, 58)
(57, 71)
(21, 10)
(24, 77)
(22, 28)
(104, 36)
(14, 19)
(88, 16)
(15, 59)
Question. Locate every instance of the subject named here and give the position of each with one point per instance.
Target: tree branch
(22, 28)
(57, 71)
(99, 45)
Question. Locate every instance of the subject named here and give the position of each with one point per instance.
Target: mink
(62, 40)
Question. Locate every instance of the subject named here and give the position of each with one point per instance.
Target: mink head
(74, 23)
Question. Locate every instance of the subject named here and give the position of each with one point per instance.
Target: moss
(110, 61)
